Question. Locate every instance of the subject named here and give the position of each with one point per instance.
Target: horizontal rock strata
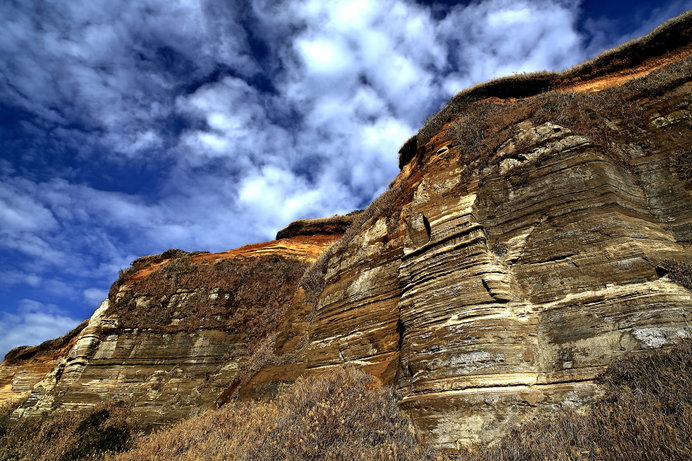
(501, 274)
(174, 333)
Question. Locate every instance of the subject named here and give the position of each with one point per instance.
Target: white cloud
(324, 57)
(34, 323)
(20, 213)
(499, 37)
(94, 296)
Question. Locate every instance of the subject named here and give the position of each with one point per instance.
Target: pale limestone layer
(517, 295)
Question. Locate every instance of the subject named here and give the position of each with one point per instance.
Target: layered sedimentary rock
(524, 246)
(175, 330)
(539, 229)
(25, 366)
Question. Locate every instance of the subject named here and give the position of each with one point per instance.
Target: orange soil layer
(618, 78)
(304, 248)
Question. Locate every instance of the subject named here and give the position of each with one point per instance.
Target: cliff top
(666, 43)
(321, 226)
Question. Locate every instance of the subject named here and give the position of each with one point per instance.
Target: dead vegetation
(338, 416)
(87, 434)
(645, 414)
(246, 294)
(609, 119)
(263, 356)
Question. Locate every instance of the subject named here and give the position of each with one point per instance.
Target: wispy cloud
(33, 323)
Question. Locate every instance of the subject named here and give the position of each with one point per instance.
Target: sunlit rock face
(24, 367)
(540, 228)
(175, 330)
(492, 285)
(517, 295)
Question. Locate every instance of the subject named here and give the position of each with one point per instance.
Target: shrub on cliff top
(245, 294)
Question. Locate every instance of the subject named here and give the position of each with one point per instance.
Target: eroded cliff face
(539, 229)
(527, 242)
(176, 329)
(23, 367)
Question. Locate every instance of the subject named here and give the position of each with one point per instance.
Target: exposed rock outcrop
(25, 366)
(176, 329)
(520, 250)
(539, 229)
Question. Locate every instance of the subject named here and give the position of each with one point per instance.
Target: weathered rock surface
(534, 234)
(491, 285)
(175, 331)
(23, 367)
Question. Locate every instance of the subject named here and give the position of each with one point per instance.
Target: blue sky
(127, 128)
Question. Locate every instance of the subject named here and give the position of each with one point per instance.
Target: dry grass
(245, 294)
(263, 355)
(341, 416)
(610, 119)
(645, 414)
(73, 436)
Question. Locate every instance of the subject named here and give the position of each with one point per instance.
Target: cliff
(539, 229)
(175, 329)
